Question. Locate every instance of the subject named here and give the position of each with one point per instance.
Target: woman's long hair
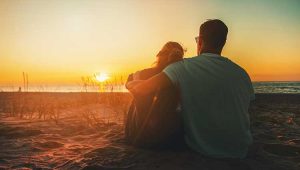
(170, 53)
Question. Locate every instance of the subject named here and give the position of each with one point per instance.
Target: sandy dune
(78, 141)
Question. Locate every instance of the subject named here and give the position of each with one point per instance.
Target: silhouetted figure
(153, 120)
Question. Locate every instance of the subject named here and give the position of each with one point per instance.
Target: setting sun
(101, 77)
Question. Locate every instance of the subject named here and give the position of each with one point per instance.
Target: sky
(59, 41)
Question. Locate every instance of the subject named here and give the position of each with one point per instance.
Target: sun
(101, 77)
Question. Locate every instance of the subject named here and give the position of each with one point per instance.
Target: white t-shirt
(215, 96)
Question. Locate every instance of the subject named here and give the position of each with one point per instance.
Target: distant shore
(276, 87)
(258, 96)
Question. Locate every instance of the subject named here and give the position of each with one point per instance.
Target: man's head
(212, 36)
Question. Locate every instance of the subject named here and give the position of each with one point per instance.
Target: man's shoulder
(186, 61)
(176, 64)
(240, 68)
(183, 64)
(193, 58)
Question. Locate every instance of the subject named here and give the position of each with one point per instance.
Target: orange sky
(61, 40)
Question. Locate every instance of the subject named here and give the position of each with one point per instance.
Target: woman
(153, 121)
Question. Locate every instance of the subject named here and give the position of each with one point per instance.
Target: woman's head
(170, 53)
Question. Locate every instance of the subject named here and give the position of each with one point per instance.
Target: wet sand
(85, 131)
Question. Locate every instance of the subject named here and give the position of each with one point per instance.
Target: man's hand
(151, 85)
(133, 83)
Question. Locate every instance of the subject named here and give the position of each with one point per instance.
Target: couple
(200, 101)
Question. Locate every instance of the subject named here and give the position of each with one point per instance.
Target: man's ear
(199, 45)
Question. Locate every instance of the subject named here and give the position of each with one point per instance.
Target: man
(215, 96)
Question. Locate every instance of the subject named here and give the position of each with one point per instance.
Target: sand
(85, 131)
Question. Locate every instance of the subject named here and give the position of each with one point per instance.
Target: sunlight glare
(101, 77)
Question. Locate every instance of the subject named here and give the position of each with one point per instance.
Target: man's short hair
(213, 33)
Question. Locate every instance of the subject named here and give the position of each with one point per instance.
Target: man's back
(215, 95)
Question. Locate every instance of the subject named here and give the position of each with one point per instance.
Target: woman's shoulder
(144, 74)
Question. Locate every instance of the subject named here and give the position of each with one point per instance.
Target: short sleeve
(172, 71)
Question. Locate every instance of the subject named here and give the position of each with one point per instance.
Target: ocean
(277, 87)
(259, 87)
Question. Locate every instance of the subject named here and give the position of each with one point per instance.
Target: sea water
(259, 87)
(277, 87)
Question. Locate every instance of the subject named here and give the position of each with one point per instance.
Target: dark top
(152, 120)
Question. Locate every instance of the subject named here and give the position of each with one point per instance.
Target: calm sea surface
(259, 87)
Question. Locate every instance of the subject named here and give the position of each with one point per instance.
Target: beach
(40, 130)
